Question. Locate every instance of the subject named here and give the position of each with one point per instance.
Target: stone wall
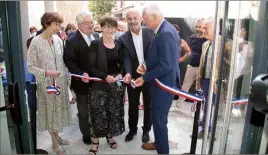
(69, 9)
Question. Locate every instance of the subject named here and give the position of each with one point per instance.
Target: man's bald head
(198, 27)
(134, 19)
(208, 29)
(133, 11)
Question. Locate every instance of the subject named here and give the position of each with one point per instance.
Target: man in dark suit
(161, 64)
(135, 45)
(76, 60)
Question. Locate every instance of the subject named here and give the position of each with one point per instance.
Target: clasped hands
(127, 78)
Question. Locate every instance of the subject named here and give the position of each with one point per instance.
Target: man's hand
(110, 79)
(198, 85)
(139, 82)
(86, 80)
(181, 59)
(127, 78)
(141, 69)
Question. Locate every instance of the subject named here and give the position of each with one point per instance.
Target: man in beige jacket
(206, 66)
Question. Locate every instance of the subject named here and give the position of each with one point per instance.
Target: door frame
(14, 62)
(252, 134)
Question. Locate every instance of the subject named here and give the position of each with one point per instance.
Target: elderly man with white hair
(161, 64)
(76, 60)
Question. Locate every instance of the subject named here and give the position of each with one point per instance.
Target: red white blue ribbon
(95, 79)
(53, 89)
(179, 92)
(193, 97)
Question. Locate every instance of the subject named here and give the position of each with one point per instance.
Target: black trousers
(133, 111)
(83, 116)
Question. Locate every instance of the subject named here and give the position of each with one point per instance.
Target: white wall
(35, 11)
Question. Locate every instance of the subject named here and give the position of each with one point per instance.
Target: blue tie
(89, 38)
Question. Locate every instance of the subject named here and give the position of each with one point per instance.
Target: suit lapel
(81, 38)
(145, 41)
(131, 46)
(159, 30)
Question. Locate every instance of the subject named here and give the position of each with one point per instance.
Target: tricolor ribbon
(53, 89)
(95, 79)
(193, 97)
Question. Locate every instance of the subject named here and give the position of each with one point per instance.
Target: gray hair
(81, 15)
(153, 11)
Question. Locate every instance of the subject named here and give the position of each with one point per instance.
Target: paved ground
(179, 126)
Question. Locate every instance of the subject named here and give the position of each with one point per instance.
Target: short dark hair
(33, 28)
(108, 20)
(176, 27)
(70, 27)
(50, 17)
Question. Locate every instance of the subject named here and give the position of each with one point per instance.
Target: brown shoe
(148, 146)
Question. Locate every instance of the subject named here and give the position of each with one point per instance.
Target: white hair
(153, 11)
(81, 15)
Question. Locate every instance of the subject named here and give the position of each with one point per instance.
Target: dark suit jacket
(98, 61)
(162, 61)
(130, 57)
(75, 57)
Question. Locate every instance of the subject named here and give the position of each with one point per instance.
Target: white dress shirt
(86, 37)
(138, 43)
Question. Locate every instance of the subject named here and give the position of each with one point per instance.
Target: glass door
(238, 32)
(15, 133)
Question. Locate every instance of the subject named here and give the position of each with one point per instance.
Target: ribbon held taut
(193, 97)
(95, 79)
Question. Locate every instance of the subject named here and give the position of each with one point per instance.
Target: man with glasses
(76, 60)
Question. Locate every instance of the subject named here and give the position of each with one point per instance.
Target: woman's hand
(110, 79)
(52, 73)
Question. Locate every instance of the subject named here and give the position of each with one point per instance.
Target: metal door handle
(7, 107)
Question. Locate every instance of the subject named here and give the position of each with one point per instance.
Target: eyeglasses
(87, 23)
(109, 27)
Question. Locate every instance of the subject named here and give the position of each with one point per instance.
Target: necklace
(52, 47)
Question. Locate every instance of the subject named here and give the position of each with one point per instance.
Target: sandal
(94, 151)
(58, 149)
(113, 144)
(63, 141)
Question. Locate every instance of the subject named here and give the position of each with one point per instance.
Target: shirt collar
(157, 28)
(140, 33)
(83, 34)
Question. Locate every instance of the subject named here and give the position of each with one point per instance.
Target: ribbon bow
(53, 89)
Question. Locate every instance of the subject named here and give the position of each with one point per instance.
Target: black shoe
(130, 136)
(145, 137)
(87, 140)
